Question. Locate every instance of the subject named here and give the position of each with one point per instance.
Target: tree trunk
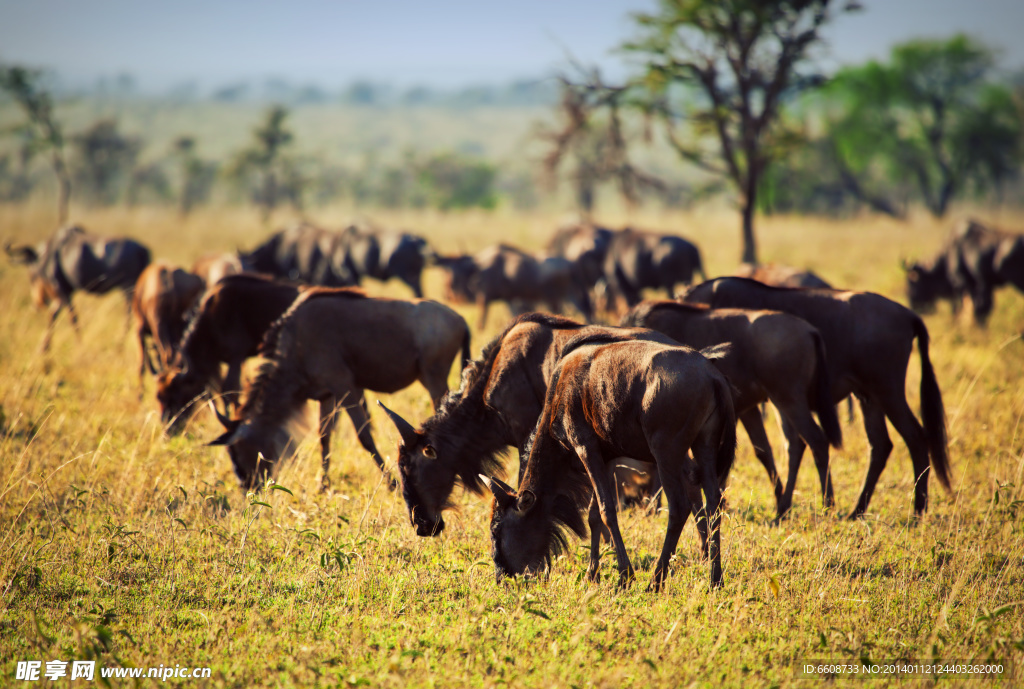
(749, 243)
(64, 189)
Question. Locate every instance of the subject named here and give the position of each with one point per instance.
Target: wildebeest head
(526, 532)
(427, 480)
(21, 255)
(177, 390)
(252, 457)
(461, 285)
(927, 284)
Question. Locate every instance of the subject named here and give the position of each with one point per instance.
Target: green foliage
(104, 161)
(454, 181)
(931, 121)
(266, 171)
(196, 175)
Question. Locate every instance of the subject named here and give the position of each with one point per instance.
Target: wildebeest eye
(429, 452)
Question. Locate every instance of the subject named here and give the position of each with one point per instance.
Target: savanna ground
(121, 545)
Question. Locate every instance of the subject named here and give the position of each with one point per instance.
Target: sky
(440, 43)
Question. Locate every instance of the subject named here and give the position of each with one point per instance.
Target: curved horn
(405, 428)
(224, 420)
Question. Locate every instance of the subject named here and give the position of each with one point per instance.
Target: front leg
(328, 417)
(597, 530)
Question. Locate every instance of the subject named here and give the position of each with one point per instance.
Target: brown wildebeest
(330, 346)
(368, 251)
(780, 276)
(505, 273)
(868, 341)
(638, 260)
(497, 405)
(73, 260)
(774, 356)
(585, 246)
(213, 267)
(635, 398)
(227, 328)
(975, 261)
(163, 295)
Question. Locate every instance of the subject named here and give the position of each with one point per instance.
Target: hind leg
(797, 421)
(597, 530)
(796, 455)
(356, 409)
(881, 447)
(907, 425)
(753, 424)
(704, 454)
(591, 457)
(328, 418)
(674, 484)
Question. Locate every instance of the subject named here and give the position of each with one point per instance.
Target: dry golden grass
(121, 545)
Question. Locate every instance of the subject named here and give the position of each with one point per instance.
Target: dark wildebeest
(868, 341)
(163, 296)
(774, 356)
(974, 263)
(585, 246)
(73, 260)
(637, 260)
(302, 252)
(365, 251)
(505, 273)
(330, 346)
(212, 267)
(780, 276)
(496, 406)
(635, 398)
(227, 328)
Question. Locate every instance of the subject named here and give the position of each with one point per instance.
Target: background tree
(44, 132)
(724, 67)
(196, 175)
(104, 161)
(932, 116)
(266, 170)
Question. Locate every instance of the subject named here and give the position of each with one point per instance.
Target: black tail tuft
(933, 413)
(823, 405)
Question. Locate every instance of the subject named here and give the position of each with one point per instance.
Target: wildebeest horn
(502, 492)
(225, 421)
(405, 428)
(235, 433)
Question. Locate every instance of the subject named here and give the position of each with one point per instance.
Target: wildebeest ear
(527, 499)
(718, 351)
(23, 255)
(429, 452)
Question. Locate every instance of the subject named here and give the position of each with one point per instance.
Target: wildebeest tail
(466, 356)
(823, 405)
(933, 413)
(727, 440)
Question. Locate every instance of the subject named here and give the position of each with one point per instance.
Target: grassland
(121, 545)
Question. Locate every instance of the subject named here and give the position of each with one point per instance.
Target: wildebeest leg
(144, 361)
(597, 529)
(797, 418)
(796, 455)
(907, 425)
(881, 446)
(983, 301)
(605, 497)
(679, 508)
(55, 308)
(328, 418)
(754, 426)
(74, 319)
(482, 302)
(361, 420)
(704, 454)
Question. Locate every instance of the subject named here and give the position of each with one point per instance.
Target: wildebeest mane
(636, 317)
(461, 408)
(608, 336)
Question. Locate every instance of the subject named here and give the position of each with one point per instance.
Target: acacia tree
(930, 117)
(265, 169)
(44, 133)
(737, 60)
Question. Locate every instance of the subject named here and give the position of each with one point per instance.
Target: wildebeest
(585, 246)
(302, 252)
(635, 398)
(73, 260)
(227, 328)
(212, 267)
(780, 276)
(868, 341)
(505, 273)
(382, 254)
(330, 346)
(974, 263)
(638, 260)
(774, 356)
(163, 295)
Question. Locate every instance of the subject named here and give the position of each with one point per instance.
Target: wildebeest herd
(664, 388)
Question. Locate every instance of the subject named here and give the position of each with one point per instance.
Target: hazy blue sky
(438, 42)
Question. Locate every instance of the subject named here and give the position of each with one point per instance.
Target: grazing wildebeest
(212, 267)
(637, 260)
(585, 246)
(642, 399)
(74, 260)
(774, 356)
(227, 328)
(974, 263)
(163, 296)
(380, 254)
(330, 346)
(780, 276)
(301, 252)
(505, 273)
(868, 341)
